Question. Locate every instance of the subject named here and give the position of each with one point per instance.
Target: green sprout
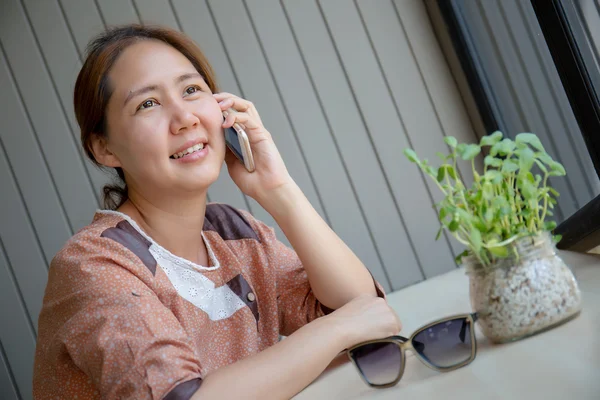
(510, 200)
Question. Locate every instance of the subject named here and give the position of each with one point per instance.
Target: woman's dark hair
(93, 88)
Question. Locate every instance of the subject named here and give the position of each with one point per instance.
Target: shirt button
(251, 297)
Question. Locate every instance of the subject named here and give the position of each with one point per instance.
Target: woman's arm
(284, 369)
(278, 372)
(336, 275)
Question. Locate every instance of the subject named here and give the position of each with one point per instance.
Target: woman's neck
(176, 226)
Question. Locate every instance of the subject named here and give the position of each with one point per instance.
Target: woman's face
(163, 124)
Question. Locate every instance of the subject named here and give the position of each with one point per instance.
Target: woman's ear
(102, 153)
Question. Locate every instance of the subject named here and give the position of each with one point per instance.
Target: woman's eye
(147, 104)
(191, 90)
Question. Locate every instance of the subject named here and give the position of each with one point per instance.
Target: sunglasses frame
(406, 344)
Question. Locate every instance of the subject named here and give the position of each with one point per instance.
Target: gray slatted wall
(342, 85)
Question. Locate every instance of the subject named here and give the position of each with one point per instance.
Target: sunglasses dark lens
(380, 363)
(445, 344)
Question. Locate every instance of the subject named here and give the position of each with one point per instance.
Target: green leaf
(479, 224)
(441, 156)
(526, 159)
(491, 140)
(453, 227)
(501, 251)
(503, 148)
(549, 225)
(470, 152)
(439, 233)
(451, 141)
(531, 139)
(476, 239)
(509, 166)
(489, 215)
(553, 191)
(441, 173)
(488, 191)
(432, 171)
(545, 158)
(527, 189)
(492, 161)
(499, 202)
(494, 176)
(541, 166)
(557, 238)
(450, 170)
(557, 169)
(411, 155)
(462, 215)
(443, 213)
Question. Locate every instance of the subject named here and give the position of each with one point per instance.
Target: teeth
(189, 150)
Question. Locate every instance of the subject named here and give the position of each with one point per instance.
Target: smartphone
(237, 141)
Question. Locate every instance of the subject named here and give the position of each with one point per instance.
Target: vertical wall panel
(321, 151)
(440, 84)
(20, 243)
(83, 19)
(416, 111)
(238, 77)
(35, 183)
(16, 334)
(156, 12)
(348, 128)
(62, 59)
(8, 388)
(117, 12)
(257, 84)
(388, 134)
(49, 123)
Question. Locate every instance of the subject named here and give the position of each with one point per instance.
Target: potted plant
(518, 283)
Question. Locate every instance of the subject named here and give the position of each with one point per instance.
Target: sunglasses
(443, 345)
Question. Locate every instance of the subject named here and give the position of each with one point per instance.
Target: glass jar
(520, 296)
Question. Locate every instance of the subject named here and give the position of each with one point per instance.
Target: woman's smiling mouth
(189, 150)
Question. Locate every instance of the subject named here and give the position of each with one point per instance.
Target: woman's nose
(182, 119)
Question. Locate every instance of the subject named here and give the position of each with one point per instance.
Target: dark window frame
(565, 36)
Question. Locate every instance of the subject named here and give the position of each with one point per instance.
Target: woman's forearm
(336, 275)
(280, 371)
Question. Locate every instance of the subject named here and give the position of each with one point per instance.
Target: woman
(165, 296)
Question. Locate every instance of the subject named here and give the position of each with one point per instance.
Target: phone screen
(231, 138)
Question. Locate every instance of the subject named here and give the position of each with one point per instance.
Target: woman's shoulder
(108, 239)
(234, 224)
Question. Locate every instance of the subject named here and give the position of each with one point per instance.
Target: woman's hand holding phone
(270, 171)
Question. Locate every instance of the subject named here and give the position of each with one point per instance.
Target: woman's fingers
(241, 118)
(227, 100)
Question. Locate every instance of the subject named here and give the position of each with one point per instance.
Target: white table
(562, 364)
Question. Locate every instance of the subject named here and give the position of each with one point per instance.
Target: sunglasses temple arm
(463, 329)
